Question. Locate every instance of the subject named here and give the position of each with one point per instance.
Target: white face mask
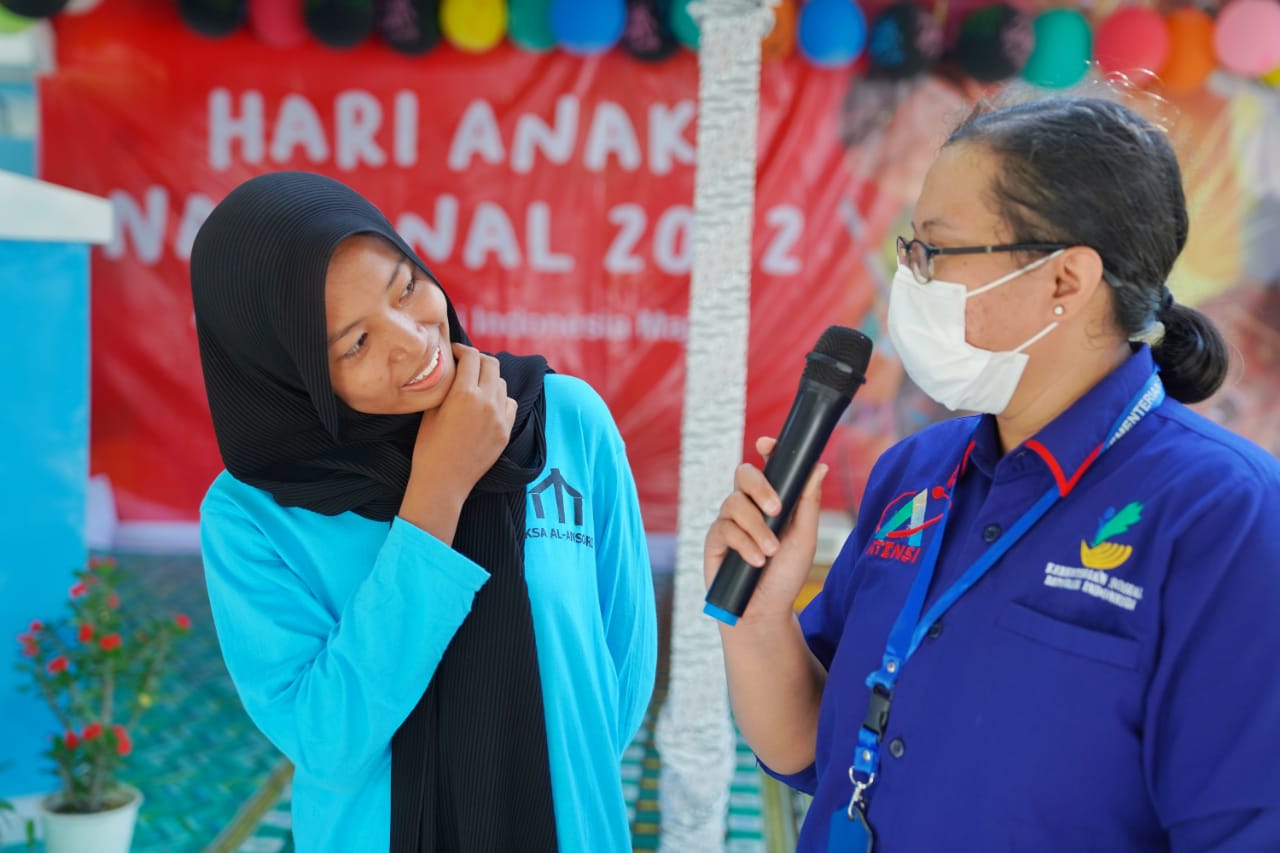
(926, 325)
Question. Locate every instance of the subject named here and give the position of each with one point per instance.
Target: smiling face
(388, 330)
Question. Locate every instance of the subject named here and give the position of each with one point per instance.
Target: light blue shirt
(332, 626)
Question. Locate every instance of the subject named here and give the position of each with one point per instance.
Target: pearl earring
(1058, 310)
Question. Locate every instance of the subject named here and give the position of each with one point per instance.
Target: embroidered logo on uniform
(1100, 556)
(1102, 553)
(554, 491)
(901, 528)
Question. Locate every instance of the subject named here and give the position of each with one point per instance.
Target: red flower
(36, 625)
(78, 589)
(183, 621)
(70, 739)
(110, 643)
(91, 731)
(113, 601)
(26, 639)
(30, 650)
(124, 746)
(86, 632)
(58, 664)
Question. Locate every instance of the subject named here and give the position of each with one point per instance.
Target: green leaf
(1127, 517)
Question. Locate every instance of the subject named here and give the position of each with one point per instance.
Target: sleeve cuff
(805, 781)
(409, 543)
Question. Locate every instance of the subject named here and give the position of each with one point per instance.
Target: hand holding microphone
(832, 374)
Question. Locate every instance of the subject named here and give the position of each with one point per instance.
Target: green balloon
(11, 23)
(685, 28)
(529, 24)
(1064, 45)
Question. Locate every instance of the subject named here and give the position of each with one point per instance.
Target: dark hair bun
(1192, 356)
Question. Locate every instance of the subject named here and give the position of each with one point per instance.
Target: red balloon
(278, 23)
(1130, 39)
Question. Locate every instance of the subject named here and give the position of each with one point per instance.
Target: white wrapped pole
(694, 737)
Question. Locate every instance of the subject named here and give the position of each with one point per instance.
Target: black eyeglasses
(917, 255)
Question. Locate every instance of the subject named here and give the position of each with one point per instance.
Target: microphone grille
(839, 360)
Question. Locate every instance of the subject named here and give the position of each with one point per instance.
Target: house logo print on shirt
(559, 508)
(900, 530)
(1098, 556)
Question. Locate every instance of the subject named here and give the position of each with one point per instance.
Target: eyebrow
(931, 223)
(345, 330)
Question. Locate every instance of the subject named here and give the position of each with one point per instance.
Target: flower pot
(109, 831)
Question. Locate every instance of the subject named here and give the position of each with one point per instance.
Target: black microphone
(832, 373)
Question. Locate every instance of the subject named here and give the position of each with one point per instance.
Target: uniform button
(991, 532)
(897, 748)
(935, 630)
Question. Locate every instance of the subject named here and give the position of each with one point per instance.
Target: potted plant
(96, 668)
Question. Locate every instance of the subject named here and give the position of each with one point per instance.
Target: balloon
(831, 33)
(1246, 37)
(1272, 77)
(473, 25)
(1130, 39)
(904, 41)
(781, 40)
(1191, 57)
(34, 8)
(213, 18)
(647, 35)
(1062, 49)
(994, 43)
(11, 24)
(586, 27)
(409, 26)
(529, 24)
(278, 23)
(339, 23)
(687, 31)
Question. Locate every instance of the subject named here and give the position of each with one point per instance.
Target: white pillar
(694, 737)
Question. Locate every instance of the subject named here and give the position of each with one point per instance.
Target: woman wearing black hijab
(426, 564)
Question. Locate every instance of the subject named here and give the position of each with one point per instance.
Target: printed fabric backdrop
(552, 197)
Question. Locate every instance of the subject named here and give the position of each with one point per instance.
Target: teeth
(426, 371)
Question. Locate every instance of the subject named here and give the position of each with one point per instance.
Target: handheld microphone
(832, 373)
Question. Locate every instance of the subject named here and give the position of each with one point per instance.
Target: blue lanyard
(910, 628)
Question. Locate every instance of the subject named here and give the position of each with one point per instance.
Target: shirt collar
(1071, 441)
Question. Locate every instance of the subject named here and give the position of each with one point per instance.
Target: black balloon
(409, 26)
(34, 8)
(647, 35)
(339, 23)
(213, 18)
(904, 40)
(994, 43)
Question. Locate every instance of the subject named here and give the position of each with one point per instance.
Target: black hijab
(469, 766)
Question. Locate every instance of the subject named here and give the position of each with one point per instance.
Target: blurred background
(540, 156)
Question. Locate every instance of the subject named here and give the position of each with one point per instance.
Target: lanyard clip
(858, 787)
(878, 703)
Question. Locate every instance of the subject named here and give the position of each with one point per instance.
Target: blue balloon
(831, 33)
(588, 26)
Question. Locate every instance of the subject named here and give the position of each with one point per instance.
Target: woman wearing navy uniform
(1055, 625)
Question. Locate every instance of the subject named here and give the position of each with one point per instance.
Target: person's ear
(1077, 277)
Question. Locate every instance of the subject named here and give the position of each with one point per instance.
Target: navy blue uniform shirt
(1112, 684)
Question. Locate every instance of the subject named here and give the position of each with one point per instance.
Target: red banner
(551, 195)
